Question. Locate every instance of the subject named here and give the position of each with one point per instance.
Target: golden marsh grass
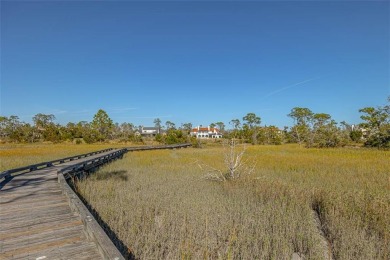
(160, 206)
(18, 155)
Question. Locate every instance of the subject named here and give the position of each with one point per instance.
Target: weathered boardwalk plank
(36, 220)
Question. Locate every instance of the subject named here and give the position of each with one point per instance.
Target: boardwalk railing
(92, 227)
(91, 164)
(9, 173)
(85, 166)
(170, 146)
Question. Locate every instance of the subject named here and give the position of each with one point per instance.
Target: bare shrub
(235, 163)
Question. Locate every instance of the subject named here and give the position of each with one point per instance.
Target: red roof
(205, 129)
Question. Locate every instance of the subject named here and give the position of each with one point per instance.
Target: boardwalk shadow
(24, 195)
(125, 251)
(119, 175)
(20, 183)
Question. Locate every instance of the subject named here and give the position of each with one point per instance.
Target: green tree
(301, 115)
(157, 123)
(270, 135)
(45, 127)
(27, 133)
(319, 122)
(126, 131)
(221, 126)
(41, 121)
(52, 133)
(325, 132)
(235, 132)
(356, 135)
(3, 127)
(377, 123)
(102, 124)
(316, 130)
(12, 127)
(170, 125)
(251, 125)
(71, 131)
(373, 117)
(302, 118)
(251, 120)
(173, 136)
(13, 130)
(235, 123)
(187, 127)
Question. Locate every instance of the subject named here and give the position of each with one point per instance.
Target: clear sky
(197, 62)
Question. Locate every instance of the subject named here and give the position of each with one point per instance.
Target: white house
(148, 131)
(206, 132)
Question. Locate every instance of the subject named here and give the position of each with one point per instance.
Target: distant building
(365, 131)
(206, 132)
(148, 131)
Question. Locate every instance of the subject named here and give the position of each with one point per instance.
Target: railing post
(7, 175)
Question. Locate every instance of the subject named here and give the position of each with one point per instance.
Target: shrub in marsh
(196, 142)
(78, 141)
(356, 135)
(172, 136)
(379, 138)
(235, 165)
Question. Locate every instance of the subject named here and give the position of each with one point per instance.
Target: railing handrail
(169, 146)
(33, 167)
(83, 164)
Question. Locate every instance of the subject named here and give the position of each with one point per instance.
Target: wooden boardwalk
(42, 218)
(36, 220)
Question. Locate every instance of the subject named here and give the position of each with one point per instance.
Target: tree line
(318, 129)
(309, 129)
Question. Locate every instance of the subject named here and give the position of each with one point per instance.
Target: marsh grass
(349, 189)
(166, 210)
(18, 155)
(158, 203)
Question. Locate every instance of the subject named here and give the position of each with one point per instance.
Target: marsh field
(161, 206)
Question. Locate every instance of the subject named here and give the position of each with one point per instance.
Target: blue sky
(197, 62)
